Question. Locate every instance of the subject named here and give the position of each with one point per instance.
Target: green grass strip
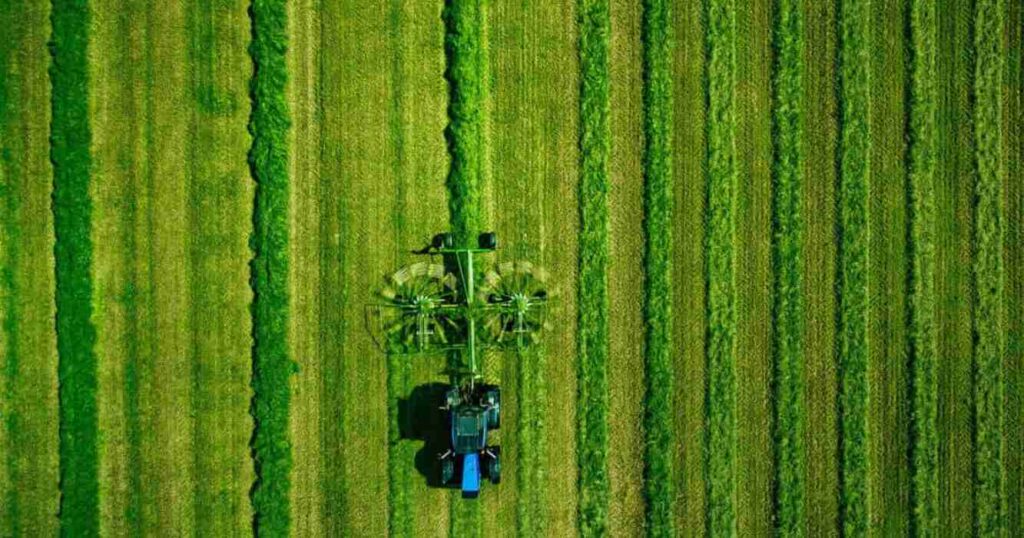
(924, 384)
(70, 140)
(720, 229)
(400, 458)
(853, 265)
(659, 486)
(268, 161)
(595, 149)
(464, 47)
(988, 268)
(787, 238)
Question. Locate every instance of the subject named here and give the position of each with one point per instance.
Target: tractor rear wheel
(494, 465)
(447, 470)
(492, 398)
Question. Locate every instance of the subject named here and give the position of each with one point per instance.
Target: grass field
(784, 239)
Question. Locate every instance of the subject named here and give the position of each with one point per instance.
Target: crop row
(268, 160)
(787, 261)
(923, 140)
(400, 522)
(595, 148)
(721, 170)
(72, 209)
(659, 487)
(532, 447)
(465, 72)
(988, 267)
(853, 260)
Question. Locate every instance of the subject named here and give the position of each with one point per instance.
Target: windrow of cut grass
(988, 268)
(659, 484)
(788, 240)
(467, 88)
(924, 384)
(853, 264)
(595, 149)
(269, 125)
(719, 240)
(72, 212)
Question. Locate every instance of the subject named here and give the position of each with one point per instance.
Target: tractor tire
(494, 466)
(487, 241)
(445, 240)
(451, 398)
(493, 398)
(447, 470)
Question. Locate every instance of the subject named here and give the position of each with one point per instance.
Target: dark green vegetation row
(988, 269)
(853, 260)
(659, 488)
(595, 149)
(72, 212)
(721, 298)
(923, 110)
(787, 237)
(272, 367)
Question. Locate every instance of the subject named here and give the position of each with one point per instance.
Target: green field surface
(784, 240)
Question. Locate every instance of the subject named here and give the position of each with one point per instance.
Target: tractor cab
(472, 413)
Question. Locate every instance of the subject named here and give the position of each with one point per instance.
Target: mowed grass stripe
(28, 357)
(787, 262)
(595, 148)
(853, 263)
(719, 242)
(220, 197)
(819, 269)
(307, 193)
(688, 266)
(924, 345)
(1013, 240)
(72, 208)
(272, 365)
(954, 194)
(625, 270)
(888, 272)
(989, 283)
(753, 274)
(659, 485)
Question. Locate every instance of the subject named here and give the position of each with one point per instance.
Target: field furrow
(70, 138)
(989, 280)
(29, 492)
(787, 259)
(922, 176)
(719, 244)
(887, 276)
(752, 272)
(688, 267)
(625, 270)
(953, 200)
(659, 432)
(819, 269)
(854, 170)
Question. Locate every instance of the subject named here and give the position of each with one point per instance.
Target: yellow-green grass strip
(989, 344)
(720, 452)
(924, 385)
(272, 366)
(659, 486)
(787, 254)
(853, 265)
(595, 149)
(72, 209)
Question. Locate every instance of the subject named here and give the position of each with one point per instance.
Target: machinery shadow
(420, 418)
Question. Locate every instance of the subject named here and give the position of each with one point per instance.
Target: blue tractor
(472, 412)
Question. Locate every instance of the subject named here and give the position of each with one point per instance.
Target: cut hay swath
(272, 366)
(721, 182)
(659, 487)
(787, 260)
(923, 111)
(988, 269)
(72, 209)
(853, 266)
(593, 268)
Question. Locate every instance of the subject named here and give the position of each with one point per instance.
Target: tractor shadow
(420, 418)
